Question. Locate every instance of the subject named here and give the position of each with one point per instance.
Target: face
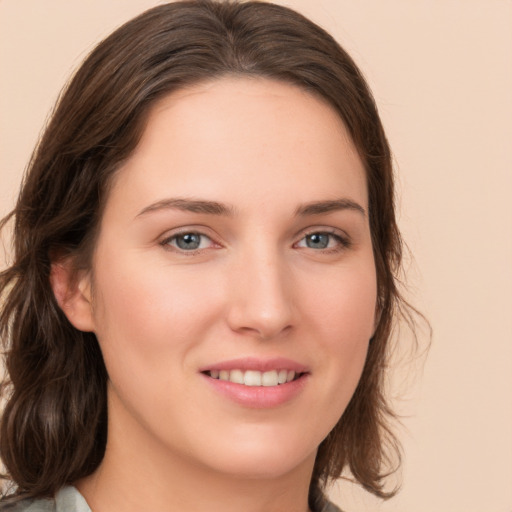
(233, 287)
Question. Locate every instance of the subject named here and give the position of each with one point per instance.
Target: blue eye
(322, 240)
(318, 240)
(188, 241)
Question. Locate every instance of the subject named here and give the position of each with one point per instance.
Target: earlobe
(72, 291)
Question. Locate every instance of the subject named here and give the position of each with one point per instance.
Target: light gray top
(68, 499)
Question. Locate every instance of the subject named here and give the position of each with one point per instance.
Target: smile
(257, 383)
(255, 378)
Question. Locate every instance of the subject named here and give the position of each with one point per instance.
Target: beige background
(441, 72)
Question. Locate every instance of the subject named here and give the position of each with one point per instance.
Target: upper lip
(257, 364)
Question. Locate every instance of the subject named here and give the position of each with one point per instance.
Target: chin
(263, 459)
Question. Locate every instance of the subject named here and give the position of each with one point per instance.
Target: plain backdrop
(441, 72)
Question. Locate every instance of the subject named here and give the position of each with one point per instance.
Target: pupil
(189, 241)
(318, 241)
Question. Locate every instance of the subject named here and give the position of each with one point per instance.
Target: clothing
(68, 499)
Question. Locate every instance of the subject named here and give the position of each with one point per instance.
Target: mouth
(257, 383)
(255, 378)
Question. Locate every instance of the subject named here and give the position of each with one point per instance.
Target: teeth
(270, 378)
(253, 377)
(236, 376)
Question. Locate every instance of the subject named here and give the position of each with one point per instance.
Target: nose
(261, 303)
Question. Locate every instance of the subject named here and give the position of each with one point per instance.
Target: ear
(72, 291)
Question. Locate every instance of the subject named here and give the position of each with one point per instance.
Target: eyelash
(342, 242)
(167, 242)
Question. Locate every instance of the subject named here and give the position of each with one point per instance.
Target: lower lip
(258, 397)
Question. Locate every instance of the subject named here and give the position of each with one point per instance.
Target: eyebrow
(323, 207)
(216, 208)
(188, 205)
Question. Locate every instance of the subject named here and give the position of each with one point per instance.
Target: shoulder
(68, 499)
(42, 505)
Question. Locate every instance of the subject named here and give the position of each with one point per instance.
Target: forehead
(244, 137)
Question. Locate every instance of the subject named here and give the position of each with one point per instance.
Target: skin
(255, 287)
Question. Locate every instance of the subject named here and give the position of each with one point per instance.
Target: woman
(203, 287)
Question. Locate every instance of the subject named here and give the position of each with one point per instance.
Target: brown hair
(53, 430)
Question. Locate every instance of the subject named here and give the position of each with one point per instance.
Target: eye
(323, 240)
(190, 241)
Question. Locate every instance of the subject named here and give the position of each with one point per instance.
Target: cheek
(144, 313)
(343, 318)
(149, 321)
(345, 305)
(156, 295)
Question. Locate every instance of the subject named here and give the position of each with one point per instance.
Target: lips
(257, 383)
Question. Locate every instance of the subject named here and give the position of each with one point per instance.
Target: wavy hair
(53, 430)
